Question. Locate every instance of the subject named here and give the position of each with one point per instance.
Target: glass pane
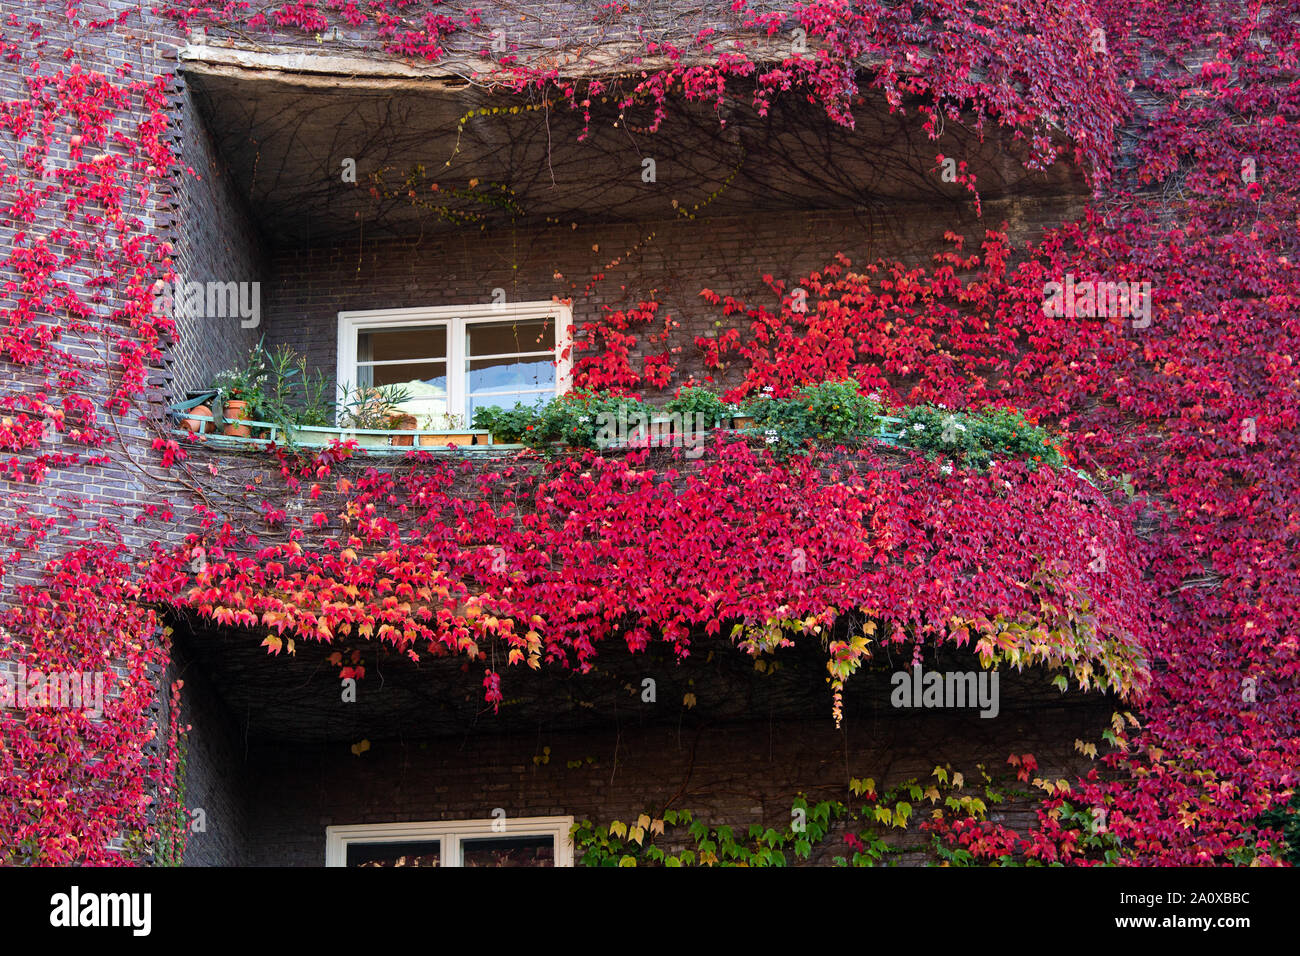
(415, 853)
(430, 373)
(509, 851)
(405, 344)
(510, 337)
(511, 375)
(508, 400)
(421, 357)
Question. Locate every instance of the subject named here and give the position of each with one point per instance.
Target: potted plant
(238, 391)
(691, 400)
(405, 423)
(372, 409)
(742, 419)
(834, 412)
(581, 420)
(743, 415)
(508, 426)
(200, 420)
(698, 406)
(292, 397)
(447, 430)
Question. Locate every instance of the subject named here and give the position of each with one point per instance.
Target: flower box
(443, 439)
(367, 437)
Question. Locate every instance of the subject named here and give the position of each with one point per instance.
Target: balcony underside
(427, 160)
(298, 700)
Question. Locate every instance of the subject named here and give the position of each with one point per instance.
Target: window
(526, 841)
(455, 360)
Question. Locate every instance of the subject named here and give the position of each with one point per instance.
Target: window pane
(510, 337)
(508, 400)
(420, 355)
(416, 853)
(431, 373)
(511, 375)
(509, 851)
(405, 344)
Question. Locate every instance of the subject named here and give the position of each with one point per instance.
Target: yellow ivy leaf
(360, 747)
(859, 787)
(689, 700)
(618, 829)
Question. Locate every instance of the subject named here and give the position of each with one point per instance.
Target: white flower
(960, 427)
(770, 439)
(946, 469)
(918, 428)
(584, 418)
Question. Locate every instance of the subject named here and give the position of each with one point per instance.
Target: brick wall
(216, 242)
(213, 239)
(215, 775)
(669, 261)
(734, 774)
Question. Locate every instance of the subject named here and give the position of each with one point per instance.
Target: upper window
(455, 360)
(526, 841)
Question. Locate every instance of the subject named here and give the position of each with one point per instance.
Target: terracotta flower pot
(236, 410)
(197, 424)
(406, 423)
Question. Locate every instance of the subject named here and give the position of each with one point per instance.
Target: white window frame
(455, 318)
(450, 834)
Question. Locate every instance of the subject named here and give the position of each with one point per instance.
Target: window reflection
(509, 851)
(415, 853)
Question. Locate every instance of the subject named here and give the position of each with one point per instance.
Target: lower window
(524, 841)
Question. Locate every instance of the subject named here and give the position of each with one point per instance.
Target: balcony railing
(401, 441)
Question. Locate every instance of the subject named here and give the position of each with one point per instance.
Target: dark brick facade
(667, 261)
(214, 778)
(734, 774)
(216, 242)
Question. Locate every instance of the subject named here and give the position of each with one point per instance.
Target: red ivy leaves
(1199, 407)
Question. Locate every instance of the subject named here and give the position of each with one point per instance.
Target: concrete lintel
(319, 69)
(299, 68)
